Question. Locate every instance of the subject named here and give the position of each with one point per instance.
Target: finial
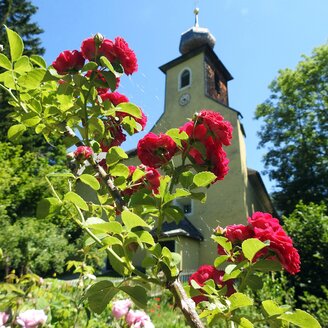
(196, 12)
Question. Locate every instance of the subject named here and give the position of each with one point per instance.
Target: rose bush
(132, 204)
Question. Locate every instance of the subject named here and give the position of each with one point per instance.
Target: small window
(170, 244)
(185, 78)
(187, 208)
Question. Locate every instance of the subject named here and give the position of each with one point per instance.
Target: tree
(295, 132)
(18, 14)
(308, 227)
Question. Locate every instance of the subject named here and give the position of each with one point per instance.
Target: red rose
(88, 49)
(83, 152)
(115, 98)
(221, 130)
(92, 50)
(150, 180)
(156, 150)
(68, 62)
(218, 161)
(107, 49)
(126, 56)
(207, 272)
(195, 132)
(268, 228)
(116, 135)
(238, 232)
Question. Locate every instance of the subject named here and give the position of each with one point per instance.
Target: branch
(186, 304)
(114, 192)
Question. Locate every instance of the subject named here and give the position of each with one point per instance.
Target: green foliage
(308, 227)
(57, 106)
(18, 14)
(30, 245)
(295, 132)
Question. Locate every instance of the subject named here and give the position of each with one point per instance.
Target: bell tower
(197, 80)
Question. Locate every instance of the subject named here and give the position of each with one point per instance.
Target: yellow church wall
(189, 251)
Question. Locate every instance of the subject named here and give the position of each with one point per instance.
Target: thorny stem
(186, 305)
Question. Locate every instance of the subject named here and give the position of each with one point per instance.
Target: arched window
(185, 78)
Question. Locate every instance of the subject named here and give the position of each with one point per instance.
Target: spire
(196, 12)
(196, 37)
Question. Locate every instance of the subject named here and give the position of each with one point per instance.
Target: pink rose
(121, 308)
(68, 62)
(31, 318)
(3, 318)
(138, 319)
(83, 152)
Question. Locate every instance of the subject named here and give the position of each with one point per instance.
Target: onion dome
(196, 37)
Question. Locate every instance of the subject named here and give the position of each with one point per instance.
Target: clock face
(184, 99)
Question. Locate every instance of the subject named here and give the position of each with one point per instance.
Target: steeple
(196, 37)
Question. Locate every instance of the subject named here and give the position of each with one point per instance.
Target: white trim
(179, 79)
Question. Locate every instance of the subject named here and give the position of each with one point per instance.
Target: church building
(199, 80)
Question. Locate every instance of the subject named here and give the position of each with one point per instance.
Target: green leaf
(16, 44)
(36, 59)
(15, 131)
(120, 170)
(239, 300)
(132, 220)
(138, 174)
(251, 246)
(77, 200)
(100, 294)
(30, 119)
(173, 213)
(110, 79)
(220, 259)
(96, 127)
(5, 62)
(8, 79)
(22, 65)
(203, 179)
(300, 319)
(138, 295)
(145, 237)
(130, 109)
(90, 180)
(105, 62)
(243, 322)
(100, 225)
(272, 309)
(186, 179)
(32, 79)
(47, 206)
(267, 265)
(181, 193)
(177, 135)
(224, 242)
(90, 66)
(114, 155)
(254, 282)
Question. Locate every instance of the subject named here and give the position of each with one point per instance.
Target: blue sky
(255, 38)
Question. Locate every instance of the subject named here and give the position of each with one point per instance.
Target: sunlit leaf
(16, 44)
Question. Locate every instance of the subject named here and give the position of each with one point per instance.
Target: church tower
(199, 80)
